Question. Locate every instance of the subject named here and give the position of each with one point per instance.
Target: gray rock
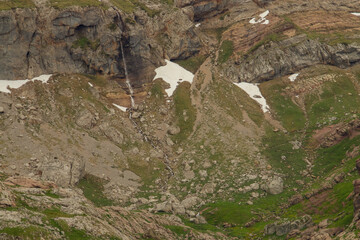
(65, 171)
(173, 130)
(287, 56)
(2, 110)
(190, 202)
(275, 185)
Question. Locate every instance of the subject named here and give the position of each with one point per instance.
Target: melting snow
(262, 18)
(90, 84)
(5, 84)
(252, 89)
(356, 14)
(173, 74)
(120, 107)
(293, 77)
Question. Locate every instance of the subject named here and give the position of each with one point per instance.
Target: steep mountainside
(262, 144)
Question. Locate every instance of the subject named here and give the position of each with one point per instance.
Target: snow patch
(262, 18)
(356, 14)
(197, 25)
(293, 77)
(173, 74)
(90, 84)
(252, 89)
(5, 84)
(120, 107)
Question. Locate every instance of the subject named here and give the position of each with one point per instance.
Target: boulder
(190, 202)
(65, 171)
(173, 130)
(275, 185)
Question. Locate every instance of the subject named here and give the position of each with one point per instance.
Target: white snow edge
(356, 14)
(293, 77)
(5, 84)
(173, 74)
(120, 107)
(262, 18)
(252, 89)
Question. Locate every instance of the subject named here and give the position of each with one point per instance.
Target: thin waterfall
(127, 76)
(137, 127)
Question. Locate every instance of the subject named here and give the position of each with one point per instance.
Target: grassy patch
(82, 3)
(226, 50)
(337, 99)
(180, 231)
(273, 37)
(185, 113)
(193, 63)
(11, 4)
(30, 233)
(93, 188)
(85, 43)
(291, 116)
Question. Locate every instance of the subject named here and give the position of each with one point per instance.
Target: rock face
(284, 228)
(64, 172)
(287, 56)
(203, 8)
(87, 40)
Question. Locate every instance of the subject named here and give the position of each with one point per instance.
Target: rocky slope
(204, 163)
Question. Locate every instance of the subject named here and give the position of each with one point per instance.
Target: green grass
(85, 43)
(286, 111)
(129, 6)
(157, 91)
(93, 188)
(336, 100)
(330, 158)
(193, 63)
(226, 50)
(273, 37)
(185, 113)
(82, 3)
(180, 231)
(29, 233)
(11, 4)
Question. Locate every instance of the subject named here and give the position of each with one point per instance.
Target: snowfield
(173, 74)
(356, 14)
(293, 77)
(252, 89)
(5, 84)
(262, 18)
(120, 107)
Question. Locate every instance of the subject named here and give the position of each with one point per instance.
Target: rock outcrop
(285, 57)
(87, 40)
(65, 171)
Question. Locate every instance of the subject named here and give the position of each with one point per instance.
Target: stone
(189, 175)
(203, 173)
(275, 186)
(7, 198)
(254, 186)
(2, 110)
(29, 183)
(65, 171)
(190, 202)
(13, 167)
(173, 130)
(324, 223)
(112, 133)
(136, 115)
